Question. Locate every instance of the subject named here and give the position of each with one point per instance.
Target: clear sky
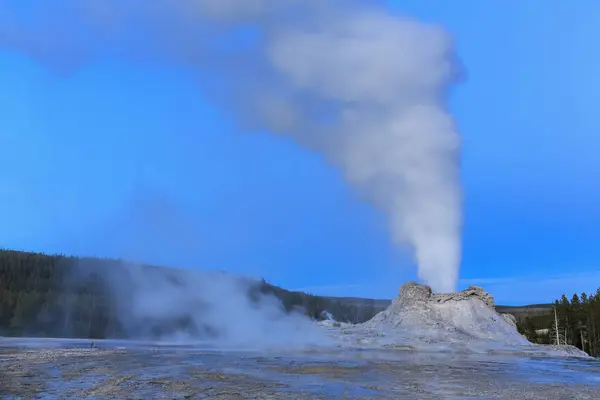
(131, 160)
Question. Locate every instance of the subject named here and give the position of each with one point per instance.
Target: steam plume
(363, 87)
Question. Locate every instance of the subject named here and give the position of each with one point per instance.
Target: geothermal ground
(50, 369)
(423, 346)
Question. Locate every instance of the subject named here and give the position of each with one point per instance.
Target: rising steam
(348, 79)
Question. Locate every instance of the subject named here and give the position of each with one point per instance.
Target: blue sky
(131, 160)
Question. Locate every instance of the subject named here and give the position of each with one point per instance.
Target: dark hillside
(62, 296)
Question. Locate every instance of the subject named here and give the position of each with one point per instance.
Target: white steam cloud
(211, 307)
(363, 87)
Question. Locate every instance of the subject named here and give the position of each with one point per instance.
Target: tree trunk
(556, 330)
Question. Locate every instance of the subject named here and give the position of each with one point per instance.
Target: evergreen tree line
(62, 296)
(572, 322)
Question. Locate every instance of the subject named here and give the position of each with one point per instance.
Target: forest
(61, 296)
(574, 322)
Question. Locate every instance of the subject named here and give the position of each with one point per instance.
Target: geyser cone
(462, 316)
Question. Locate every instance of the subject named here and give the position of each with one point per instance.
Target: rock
(414, 291)
(510, 319)
(471, 292)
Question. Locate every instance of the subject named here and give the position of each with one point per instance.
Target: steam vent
(447, 317)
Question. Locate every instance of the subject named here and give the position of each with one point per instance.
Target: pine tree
(576, 321)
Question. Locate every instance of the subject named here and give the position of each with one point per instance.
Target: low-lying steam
(210, 307)
(348, 79)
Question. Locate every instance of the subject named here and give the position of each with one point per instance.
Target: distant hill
(359, 301)
(531, 309)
